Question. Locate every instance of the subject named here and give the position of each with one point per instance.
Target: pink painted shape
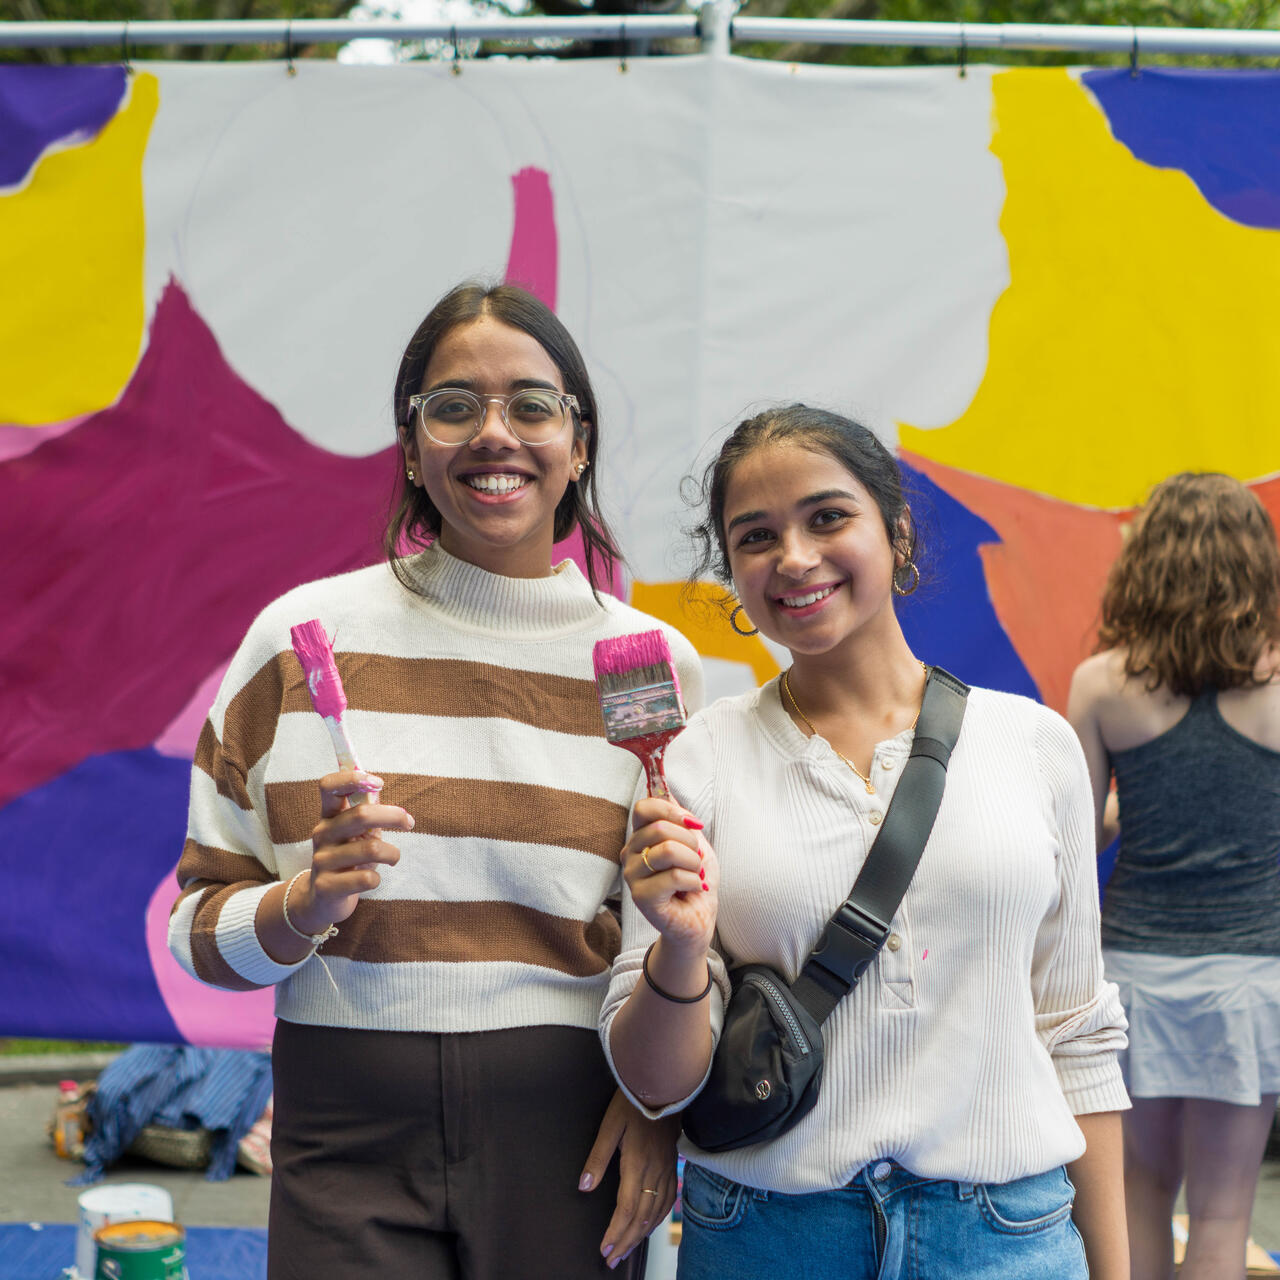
(533, 263)
(17, 442)
(206, 1016)
(163, 525)
(571, 549)
(533, 260)
(183, 732)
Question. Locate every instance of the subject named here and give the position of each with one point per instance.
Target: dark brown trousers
(414, 1156)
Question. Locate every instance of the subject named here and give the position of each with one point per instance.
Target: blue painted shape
(43, 105)
(951, 620)
(1221, 128)
(44, 1251)
(83, 855)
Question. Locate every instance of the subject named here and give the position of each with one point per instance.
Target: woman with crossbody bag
(966, 1122)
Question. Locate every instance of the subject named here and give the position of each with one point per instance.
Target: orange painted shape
(704, 623)
(1046, 573)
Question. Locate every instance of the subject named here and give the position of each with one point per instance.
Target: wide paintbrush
(640, 699)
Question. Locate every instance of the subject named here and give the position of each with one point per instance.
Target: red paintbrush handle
(649, 750)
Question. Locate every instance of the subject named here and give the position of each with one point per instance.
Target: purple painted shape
(154, 533)
(533, 260)
(1221, 128)
(43, 105)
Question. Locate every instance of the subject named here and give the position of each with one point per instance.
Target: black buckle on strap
(850, 943)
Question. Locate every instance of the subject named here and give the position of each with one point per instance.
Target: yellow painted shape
(704, 621)
(71, 260)
(1140, 332)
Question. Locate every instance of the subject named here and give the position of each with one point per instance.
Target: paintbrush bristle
(638, 686)
(315, 653)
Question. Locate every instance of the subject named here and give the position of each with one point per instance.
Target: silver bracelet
(317, 940)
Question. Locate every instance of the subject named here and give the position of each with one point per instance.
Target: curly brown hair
(1194, 596)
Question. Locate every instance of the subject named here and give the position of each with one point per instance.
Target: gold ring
(646, 1192)
(644, 857)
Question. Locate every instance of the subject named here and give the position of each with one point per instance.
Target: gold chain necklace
(795, 706)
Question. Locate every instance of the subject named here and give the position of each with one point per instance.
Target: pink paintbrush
(640, 699)
(315, 653)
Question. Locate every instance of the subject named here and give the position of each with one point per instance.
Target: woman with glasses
(437, 926)
(1181, 705)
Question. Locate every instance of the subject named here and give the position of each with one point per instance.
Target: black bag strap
(857, 931)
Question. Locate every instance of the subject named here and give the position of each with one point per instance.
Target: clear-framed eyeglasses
(453, 416)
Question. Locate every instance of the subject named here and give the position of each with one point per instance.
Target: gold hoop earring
(733, 622)
(911, 569)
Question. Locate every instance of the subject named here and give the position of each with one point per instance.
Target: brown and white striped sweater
(474, 700)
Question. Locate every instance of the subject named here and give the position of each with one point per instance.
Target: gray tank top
(1197, 870)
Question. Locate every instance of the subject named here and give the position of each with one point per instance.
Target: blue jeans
(887, 1224)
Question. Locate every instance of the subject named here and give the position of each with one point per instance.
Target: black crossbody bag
(767, 1067)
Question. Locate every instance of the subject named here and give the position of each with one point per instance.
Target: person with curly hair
(1181, 704)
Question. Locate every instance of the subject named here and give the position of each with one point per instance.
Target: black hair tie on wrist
(666, 995)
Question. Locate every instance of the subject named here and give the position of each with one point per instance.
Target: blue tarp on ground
(35, 1252)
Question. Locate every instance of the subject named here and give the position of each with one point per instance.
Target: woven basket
(178, 1148)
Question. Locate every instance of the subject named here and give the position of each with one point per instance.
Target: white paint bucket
(120, 1202)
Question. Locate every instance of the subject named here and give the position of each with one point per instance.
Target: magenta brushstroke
(533, 260)
(162, 526)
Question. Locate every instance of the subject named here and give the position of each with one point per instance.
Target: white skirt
(1199, 1026)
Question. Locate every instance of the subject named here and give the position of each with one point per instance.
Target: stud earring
(580, 468)
(409, 474)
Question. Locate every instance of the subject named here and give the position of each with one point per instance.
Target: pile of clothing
(225, 1092)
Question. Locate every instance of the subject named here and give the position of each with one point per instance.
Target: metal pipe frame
(971, 37)
(1011, 36)
(298, 31)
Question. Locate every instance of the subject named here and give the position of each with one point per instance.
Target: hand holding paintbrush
(348, 848)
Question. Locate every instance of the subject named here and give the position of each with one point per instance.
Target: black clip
(850, 942)
(622, 46)
(457, 56)
(124, 48)
(1133, 56)
(288, 48)
(964, 54)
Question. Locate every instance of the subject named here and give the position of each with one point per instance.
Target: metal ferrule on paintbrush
(640, 699)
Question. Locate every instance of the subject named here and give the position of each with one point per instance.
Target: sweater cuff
(238, 943)
(1092, 1084)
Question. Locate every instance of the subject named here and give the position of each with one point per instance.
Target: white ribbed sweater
(986, 1022)
(475, 700)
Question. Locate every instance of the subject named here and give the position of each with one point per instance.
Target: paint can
(117, 1202)
(141, 1250)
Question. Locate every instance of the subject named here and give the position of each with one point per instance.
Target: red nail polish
(702, 875)
(706, 888)
(693, 824)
